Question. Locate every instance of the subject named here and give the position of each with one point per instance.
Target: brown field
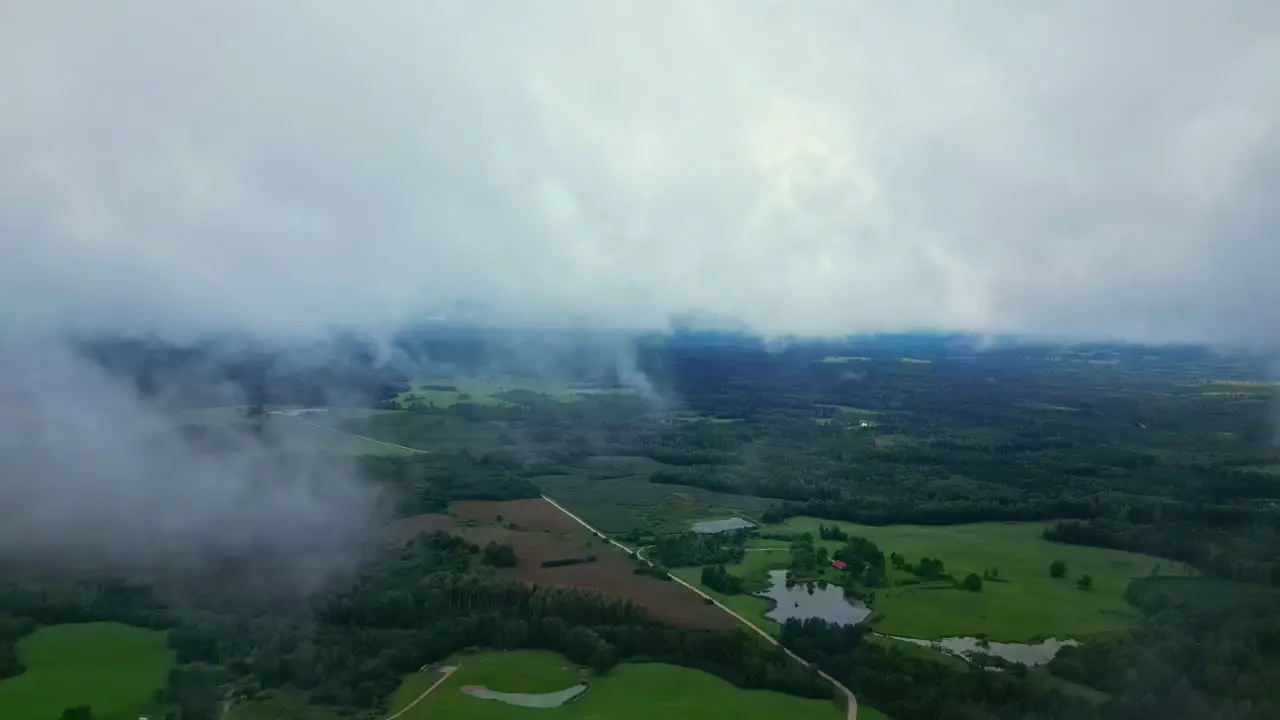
(611, 573)
(406, 529)
(529, 514)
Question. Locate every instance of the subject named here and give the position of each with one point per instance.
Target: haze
(1102, 169)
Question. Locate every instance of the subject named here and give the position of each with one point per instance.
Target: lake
(529, 700)
(807, 600)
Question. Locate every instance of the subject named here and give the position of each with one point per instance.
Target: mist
(95, 479)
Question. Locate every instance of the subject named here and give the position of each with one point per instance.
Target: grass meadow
(1025, 604)
(116, 669)
(631, 691)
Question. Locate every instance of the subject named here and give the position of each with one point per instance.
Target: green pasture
(1026, 604)
(615, 495)
(115, 669)
(445, 392)
(631, 691)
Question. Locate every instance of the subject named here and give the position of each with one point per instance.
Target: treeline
(342, 371)
(915, 686)
(1180, 541)
(1203, 650)
(692, 549)
(428, 482)
(872, 511)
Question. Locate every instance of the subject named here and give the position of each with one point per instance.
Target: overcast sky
(1094, 167)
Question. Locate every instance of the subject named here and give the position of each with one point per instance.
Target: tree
(972, 583)
(499, 555)
(1058, 569)
(1085, 582)
(80, 712)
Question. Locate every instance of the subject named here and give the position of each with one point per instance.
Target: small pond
(529, 700)
(710, 527)
(809, 600)
(1019, 653)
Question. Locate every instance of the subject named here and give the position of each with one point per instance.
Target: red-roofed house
(840, 564)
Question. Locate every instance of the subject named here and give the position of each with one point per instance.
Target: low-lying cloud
(1098, 168)
(94, 479)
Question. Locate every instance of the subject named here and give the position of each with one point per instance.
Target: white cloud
(816, 167)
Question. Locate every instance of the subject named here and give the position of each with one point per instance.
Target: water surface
(1019, 653)
(808, 600)
(529, 700)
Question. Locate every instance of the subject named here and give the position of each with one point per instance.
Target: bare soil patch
(528, 514)
(612, 572)
(406, 529)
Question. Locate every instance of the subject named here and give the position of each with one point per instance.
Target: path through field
(445, 672)
(362, 437)
(852, 701)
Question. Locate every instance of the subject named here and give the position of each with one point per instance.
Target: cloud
(95, 479)
(811, 168)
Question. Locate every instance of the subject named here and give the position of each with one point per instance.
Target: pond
(1019, 653)
(809, 600)
(529, 700)
(710, 527)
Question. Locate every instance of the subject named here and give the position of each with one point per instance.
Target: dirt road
(445, 672)
(852, 703)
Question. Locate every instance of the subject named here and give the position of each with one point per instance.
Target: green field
(1026, 605)
(444, 392)
(631, 691)
(116, 669)
(615, 495)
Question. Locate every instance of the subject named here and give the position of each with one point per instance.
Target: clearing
(1024, 604)
(539, 538)
(445, 392)
(116, 669)
(631, 691)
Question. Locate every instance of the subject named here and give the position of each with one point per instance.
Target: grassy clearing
(616, 501)
(445, 392)
(1027, 605)
(116, 669)
(631, 691)
(308, 434)
(429, 432)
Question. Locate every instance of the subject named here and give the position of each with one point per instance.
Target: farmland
(1023, 604)
(537, 532)
(445, 392)
(115, 669)
(631, 691)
